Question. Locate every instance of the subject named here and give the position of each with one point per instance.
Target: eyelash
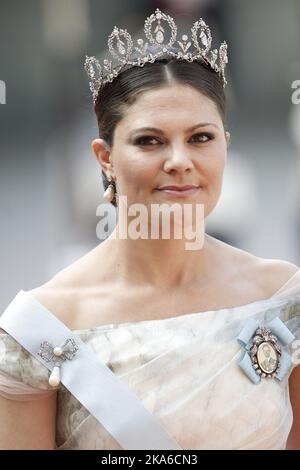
(139, 139)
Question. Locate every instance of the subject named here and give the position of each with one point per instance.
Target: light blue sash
(93, 384)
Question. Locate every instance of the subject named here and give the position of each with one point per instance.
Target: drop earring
(110, 191)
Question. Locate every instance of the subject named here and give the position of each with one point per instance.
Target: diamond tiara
(125, 55)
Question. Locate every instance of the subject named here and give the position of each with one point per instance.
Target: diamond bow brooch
(57, 355)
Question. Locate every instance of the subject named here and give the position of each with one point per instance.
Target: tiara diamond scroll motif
(161, 39)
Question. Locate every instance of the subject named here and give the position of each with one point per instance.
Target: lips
(185, 191)
(178, 188)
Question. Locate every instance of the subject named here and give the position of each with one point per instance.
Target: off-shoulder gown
(184, 369)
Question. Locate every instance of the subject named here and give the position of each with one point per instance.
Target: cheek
(212, 167)
(135, 175)
(219, 166)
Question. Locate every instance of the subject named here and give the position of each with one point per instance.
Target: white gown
(185, 370)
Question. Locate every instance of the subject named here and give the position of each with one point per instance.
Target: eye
(147, 140)
(144, 140)
(205, 136)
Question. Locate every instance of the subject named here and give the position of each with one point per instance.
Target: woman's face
(187, 145)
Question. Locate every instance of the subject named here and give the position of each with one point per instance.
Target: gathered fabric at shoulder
(22, 376)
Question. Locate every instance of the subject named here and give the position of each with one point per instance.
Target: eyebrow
(159, 131)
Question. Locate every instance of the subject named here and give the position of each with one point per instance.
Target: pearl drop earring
(110, 191)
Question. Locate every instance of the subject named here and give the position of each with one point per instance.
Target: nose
(178, 161)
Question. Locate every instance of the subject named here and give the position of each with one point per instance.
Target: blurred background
(50, 182)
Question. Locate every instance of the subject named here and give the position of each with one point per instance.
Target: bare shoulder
(265, 274)
(60, 301)
(270, 274)
(57, 297)
(78, 294)
(62, 294)
(277, 272)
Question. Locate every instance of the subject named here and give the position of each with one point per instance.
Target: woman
(163, 318)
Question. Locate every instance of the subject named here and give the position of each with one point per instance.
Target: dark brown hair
(115, 97)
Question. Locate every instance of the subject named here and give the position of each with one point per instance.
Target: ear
(103, 155)
(227, 136)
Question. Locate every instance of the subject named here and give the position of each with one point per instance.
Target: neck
(160, 263)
